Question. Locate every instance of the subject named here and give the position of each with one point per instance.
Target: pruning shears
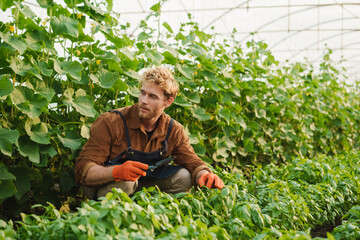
(161, 163)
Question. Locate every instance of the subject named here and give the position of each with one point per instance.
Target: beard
(147, 114)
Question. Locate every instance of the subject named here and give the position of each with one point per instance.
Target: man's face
(152, 101)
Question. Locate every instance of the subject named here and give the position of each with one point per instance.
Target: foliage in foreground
(279, 202)
(236, 103)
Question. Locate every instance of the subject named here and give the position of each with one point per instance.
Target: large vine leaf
(107, 79)
(70, 140)
(37, 131)
(83, 104)
(201, 114)
(155, 56)
(73, 68)
(23, 68)
(65, 26)
(7, 138)
(28, 148)
(6, 86)
(225, 114)
(15, 42)
(45, 3)
(182, 101)
(5, 4)
(7, 189)
(28, 102)
(41, 88)
(22, 182)
(4, 174)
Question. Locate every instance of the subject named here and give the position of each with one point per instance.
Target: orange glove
(129, 171)
(211, 180)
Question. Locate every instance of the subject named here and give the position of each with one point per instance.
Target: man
(124, 142)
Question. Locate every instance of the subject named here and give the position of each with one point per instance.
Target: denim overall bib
(146, 157)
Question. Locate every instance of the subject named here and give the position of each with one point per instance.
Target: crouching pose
(131, 147)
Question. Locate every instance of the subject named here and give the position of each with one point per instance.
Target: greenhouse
(166, 119)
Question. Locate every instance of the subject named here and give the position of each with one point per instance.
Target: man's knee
(181, 181)
(127, 186)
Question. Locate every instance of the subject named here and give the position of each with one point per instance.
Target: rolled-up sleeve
(185, 154)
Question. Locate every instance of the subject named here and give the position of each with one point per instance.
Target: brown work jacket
(108, 139)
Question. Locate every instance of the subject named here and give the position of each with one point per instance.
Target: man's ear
(168, 102)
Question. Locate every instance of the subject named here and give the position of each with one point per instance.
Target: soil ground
(320, 231)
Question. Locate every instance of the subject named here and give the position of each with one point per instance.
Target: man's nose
(144, 99)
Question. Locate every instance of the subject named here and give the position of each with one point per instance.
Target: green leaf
(185, 73)
(167, 26)
(199, 150)
(197, 50)
(261, 113)
(43, 67)
(23, 68)
(225, 113)
(96, 9)
(4, 174)
(249, 145)
(5, 4)
(28, 148)
(70, 140)
(22, 182)
(174, 53)
(37, 131)
(15, 42)
(40, 37)
(107, 78)
(45, 3)
(24, 9)
(182, 101)
(73, 68)
(194, 97)
(155, 56)
(49, 150)
(256, 216)
(65, 26)
(241, 121)
(28, 102)
(143, 36)
(6, 86)
(84, 105)
(156, 8)
(201, 114)
(66, 181)
(40, 87)
(120, 85)
(7, 189)
(7, 138)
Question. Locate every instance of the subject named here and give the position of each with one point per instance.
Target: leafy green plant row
(278, 203)
(238, 105)
(350, 228)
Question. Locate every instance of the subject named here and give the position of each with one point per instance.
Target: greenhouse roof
(294, 30)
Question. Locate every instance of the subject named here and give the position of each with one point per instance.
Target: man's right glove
(129, 171)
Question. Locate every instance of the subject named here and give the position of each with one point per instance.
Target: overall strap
(129, 149)
(164, 143)
(125, 126)
(169, 130)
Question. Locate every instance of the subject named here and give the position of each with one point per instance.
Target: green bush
(238, 105)
(267, 207)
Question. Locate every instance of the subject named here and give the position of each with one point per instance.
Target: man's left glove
(211, 180)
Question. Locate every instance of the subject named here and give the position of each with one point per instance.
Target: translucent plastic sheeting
(293, 29)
